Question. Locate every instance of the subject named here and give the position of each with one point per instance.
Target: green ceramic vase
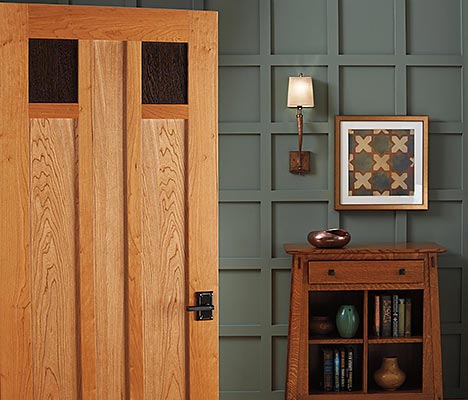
(347, 321)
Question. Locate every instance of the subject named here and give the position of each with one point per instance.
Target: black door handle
(204, 307)
(200, 308)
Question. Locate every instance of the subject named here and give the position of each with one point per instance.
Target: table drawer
(393, 271)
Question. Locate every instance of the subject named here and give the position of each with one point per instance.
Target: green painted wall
(366, 57)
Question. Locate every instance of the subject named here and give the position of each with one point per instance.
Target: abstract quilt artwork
(381, 162)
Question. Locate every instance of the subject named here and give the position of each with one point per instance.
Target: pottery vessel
(321, 325)
(331, 238)
(389, 376)
(347, 321)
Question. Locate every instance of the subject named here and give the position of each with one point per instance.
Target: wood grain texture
(87, 272)
(164, 259)
(15, 296)
(435, 328)
(108, 130)
(203, 201)
(53, 71)
(134, 193)
(53, 258)
(108, 23)
(165, 71)
(367, 248)
(422, 352)
(349, 272)
(54, 110)
(165, 111)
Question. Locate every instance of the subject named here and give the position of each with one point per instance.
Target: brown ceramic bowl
(331, 238)
(321, 325)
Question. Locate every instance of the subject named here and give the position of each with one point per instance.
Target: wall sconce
(300, 95)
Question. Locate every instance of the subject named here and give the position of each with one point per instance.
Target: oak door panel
(53, 258)
(164, 258)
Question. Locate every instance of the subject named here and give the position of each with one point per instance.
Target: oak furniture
(108, 138)
(324, 279)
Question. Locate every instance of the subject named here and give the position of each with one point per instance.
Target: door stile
(202, 201)
(15, 275)
(86, 320)
(133, 149)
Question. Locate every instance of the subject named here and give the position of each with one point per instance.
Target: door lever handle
(204, 308)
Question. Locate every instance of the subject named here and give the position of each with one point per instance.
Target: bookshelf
(366, 277)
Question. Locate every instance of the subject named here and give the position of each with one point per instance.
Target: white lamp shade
(300, 91)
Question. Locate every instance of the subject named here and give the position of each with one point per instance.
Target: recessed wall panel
(299, 27)
(279, 94)
(367, 90)
(450, 292)
(239, 25)
(239, 94)
(278, 355)
(440, 224)
(240, 369)
(362, 225)
(451, 361)
(239, 297)
(316, 179)
(281, 280)
(433, 26)
(239, 168)
(291, 222)
(367, 27)
(435, 91)
(239, 229)
(445, 161)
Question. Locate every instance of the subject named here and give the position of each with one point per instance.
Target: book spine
(401, 317)
(342, 369)
(377, 315)
(336, 370)
(386, 316)
(395, 315)
(327, 370)
(408, 317)
(349, 371)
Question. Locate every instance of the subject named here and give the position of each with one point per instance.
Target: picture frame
(381, 162)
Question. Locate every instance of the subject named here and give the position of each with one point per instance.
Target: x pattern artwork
(381, 162)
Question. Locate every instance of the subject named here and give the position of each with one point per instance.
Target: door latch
(204, 307)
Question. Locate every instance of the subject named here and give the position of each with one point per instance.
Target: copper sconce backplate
(302, 167)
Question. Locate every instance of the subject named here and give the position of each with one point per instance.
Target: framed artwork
(381, 162)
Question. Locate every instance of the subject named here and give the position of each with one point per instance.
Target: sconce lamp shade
(300, 91)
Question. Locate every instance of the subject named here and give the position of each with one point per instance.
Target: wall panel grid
(367, 57)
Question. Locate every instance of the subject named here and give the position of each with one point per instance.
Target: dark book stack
(392, 316)
(338, 369)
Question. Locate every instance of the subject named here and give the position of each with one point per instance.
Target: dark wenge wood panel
(53, 71)
(164, 73)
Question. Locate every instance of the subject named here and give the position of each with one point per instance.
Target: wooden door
(108, 213)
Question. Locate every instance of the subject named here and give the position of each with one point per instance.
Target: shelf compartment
(397, 395)
(316, 370)
(327, 303)
(410, 361)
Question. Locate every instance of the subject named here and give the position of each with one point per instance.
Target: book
(401, 317)
(349, 370)
(342, 369)
(408, 317)
(377, 315)
(395, 315)
(336, 370)
(386, 327)
(327, 369)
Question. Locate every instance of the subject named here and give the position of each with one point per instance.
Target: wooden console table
(324, 279)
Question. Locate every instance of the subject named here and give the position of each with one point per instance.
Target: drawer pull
(402, 271)
(331, 272)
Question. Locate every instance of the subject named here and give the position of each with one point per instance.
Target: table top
(367, 248)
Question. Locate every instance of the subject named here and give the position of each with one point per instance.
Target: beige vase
(389, 376)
